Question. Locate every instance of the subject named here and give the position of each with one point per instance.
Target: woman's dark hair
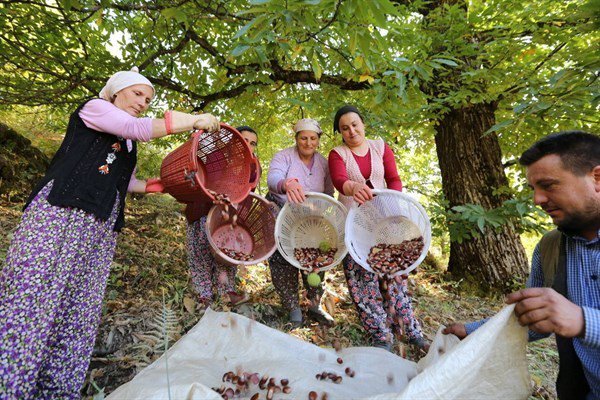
(579, 151)
(246, 128)
(341, 112)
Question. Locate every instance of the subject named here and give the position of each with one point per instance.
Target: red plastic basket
(253, 234)
(219, 161)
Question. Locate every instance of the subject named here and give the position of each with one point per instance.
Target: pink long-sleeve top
(103, 116)
(287, 164)
(339, 175)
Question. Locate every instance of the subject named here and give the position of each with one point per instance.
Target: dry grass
(150, 265)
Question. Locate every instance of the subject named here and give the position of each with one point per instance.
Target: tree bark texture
(471, 167)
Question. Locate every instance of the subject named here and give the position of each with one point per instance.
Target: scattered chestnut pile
(243, 381)
(229, 214)
(314, 258)
(391, 258)
(388, 290)
(312, 395)
(335, 378)
(221, 198)
(236, 255)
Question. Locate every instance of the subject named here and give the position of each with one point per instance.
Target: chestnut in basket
(314, 258)
(391, 258)
(236, 255)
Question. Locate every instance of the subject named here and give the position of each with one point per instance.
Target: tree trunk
(471, 169)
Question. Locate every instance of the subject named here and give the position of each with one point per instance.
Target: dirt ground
(149, 290)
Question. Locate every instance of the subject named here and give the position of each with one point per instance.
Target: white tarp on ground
(489, 364)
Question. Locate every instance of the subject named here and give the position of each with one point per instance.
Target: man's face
(572, 201)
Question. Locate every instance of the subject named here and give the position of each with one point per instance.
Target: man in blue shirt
(563, 170)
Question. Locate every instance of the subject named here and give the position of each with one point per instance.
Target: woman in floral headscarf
(53, 281)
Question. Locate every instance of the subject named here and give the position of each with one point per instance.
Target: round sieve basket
(253, 233)
(389, 218)
(320, 218)
(219, 161)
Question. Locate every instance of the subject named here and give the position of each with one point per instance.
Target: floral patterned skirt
(371, 305)
(51, 291)
(208, 275)
(286, 279)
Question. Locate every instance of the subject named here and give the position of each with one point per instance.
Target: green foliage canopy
(267, 63)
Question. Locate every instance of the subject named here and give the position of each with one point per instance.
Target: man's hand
(456, 329)
(546, 311)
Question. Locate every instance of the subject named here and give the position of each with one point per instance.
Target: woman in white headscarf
(54, 278)
(292, 173)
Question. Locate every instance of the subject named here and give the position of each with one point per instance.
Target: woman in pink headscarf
(53, 281)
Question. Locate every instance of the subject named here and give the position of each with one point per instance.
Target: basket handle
(154, 185)
(254, 168)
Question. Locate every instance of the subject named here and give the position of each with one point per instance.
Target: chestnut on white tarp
(490, 363)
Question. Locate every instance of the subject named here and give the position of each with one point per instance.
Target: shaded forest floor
(149, 289)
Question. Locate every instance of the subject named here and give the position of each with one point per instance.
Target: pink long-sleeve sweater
(103, 116)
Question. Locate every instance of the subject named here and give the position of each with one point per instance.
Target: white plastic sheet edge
(491, 363)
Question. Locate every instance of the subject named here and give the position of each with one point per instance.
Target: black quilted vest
(88, 170)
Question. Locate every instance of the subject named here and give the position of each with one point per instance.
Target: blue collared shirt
(583, 282)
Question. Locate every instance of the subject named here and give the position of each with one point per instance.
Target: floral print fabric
(364, 290)
(285, 279)
(51, 291)
(206, 272)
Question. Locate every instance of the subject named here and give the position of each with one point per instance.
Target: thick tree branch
(164, 51)
(176, 87)
(293, 76)
(226, 94)
(209, 48)
(29, 2)
(132, 6)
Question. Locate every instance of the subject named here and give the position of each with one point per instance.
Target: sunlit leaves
(239, 50)
(418, 60)
(451, 63)
(316, 66)
(175, 13)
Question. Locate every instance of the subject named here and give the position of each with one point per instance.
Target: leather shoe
(296, 317)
